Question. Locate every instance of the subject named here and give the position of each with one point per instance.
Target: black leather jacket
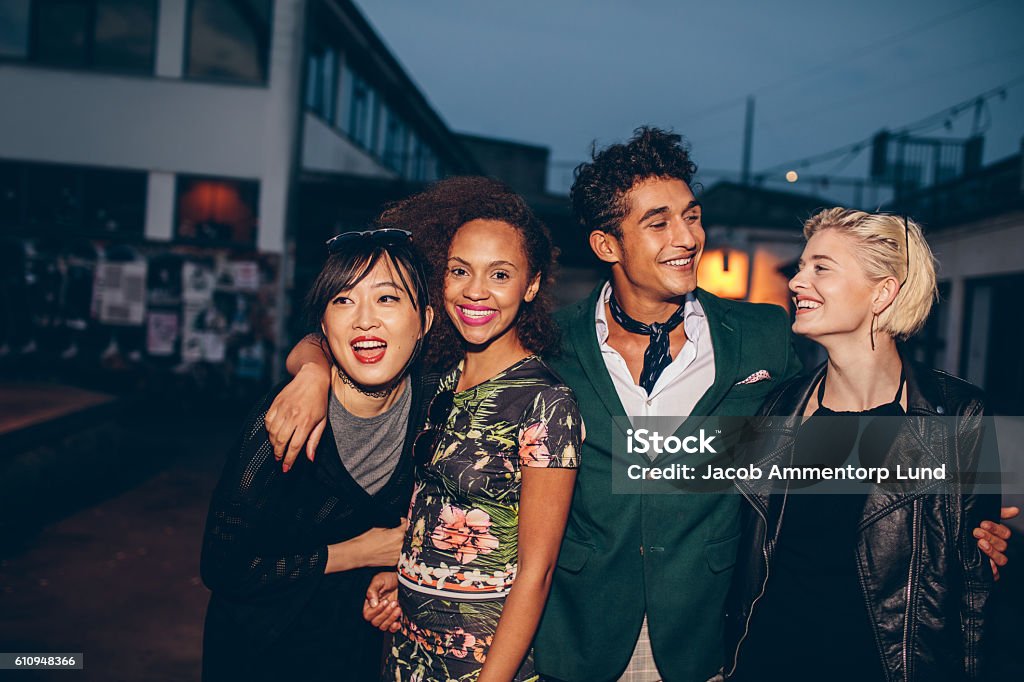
(924, 581)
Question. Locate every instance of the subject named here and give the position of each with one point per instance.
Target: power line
(806, 114)
(847, 55)
(921, 125)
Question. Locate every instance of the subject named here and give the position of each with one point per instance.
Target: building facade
(975, 226)
(207, 149)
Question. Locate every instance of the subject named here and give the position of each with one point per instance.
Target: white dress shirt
(681, 384)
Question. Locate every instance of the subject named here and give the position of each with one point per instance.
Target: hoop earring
(874, 318)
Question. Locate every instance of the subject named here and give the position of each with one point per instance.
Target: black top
(811, 623)
(273, 613)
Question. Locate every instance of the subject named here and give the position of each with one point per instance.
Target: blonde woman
(878, 584)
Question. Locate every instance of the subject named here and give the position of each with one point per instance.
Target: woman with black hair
(289, 557)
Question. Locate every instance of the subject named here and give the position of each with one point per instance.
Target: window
(424, 162)
(363, 108)
(229, 40)
(217, 210)
(14, 16)
(321, 81)
(124, 35)
(109, 35)
(38, 198)
(395, 144)
(990, 353)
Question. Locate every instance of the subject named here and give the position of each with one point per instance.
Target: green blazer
(667, 555)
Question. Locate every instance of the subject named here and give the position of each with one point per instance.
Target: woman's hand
(375, 547)
(992, 539)
(298, 414)
(381, 609)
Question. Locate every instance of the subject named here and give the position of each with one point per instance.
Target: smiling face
(372, 328)
(661, 241)
(487, 280)
(832, 293)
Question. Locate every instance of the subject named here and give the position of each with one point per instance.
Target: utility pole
(979, 107)
(748, 140)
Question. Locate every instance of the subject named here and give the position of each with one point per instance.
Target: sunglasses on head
(385, 236)
(425, 445)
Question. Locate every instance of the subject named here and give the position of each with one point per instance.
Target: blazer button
(940, 409)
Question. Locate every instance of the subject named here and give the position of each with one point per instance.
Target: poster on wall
(161, 333)
(120, 293)
(238, 276)
(164, 280)
(198, 281)
(204, 333)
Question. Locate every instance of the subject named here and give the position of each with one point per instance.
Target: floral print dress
(460, 553)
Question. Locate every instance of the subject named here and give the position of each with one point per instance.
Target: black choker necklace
(382, 393)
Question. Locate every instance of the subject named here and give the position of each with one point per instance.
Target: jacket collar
(924, 395)
(725, 340)
(583, 337)
(914, 439)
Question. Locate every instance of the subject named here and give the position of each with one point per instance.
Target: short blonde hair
(882, 241)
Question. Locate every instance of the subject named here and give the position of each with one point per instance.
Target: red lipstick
(368, 349)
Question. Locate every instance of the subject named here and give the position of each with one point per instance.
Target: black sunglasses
(425, 445)
(385, 236)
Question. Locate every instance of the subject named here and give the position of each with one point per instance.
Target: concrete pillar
(283, 130)
(170, 38)
(160, 207)
(281, 123)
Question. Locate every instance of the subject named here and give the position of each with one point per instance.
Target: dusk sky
(824, 74)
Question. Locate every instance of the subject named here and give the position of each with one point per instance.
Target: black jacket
(924, 581)
(273, 613)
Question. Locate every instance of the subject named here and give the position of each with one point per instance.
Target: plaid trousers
(641, 666)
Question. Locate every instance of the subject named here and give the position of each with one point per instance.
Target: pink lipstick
(475, 315)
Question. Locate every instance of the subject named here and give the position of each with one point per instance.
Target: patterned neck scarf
(658, 355)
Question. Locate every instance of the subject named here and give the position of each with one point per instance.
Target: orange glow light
(712, 275)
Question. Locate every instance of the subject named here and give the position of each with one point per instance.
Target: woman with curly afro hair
(436, 214)
(497, 459)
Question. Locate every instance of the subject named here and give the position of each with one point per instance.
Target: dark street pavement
(118, 579)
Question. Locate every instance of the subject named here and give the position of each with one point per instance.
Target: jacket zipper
(767, 569)
(914, 548)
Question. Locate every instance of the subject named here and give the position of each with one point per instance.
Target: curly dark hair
(436, 214)
(599, 190)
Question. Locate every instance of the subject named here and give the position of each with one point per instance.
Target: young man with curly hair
(649, 342)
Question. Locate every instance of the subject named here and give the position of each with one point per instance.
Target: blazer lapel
(725, 340)
(583, 336)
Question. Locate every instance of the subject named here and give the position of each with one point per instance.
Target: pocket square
(759, 375)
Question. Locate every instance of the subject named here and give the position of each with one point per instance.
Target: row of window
(50, 199)
(348, 101)
(227, 41)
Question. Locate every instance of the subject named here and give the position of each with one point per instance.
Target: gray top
(370, 448)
